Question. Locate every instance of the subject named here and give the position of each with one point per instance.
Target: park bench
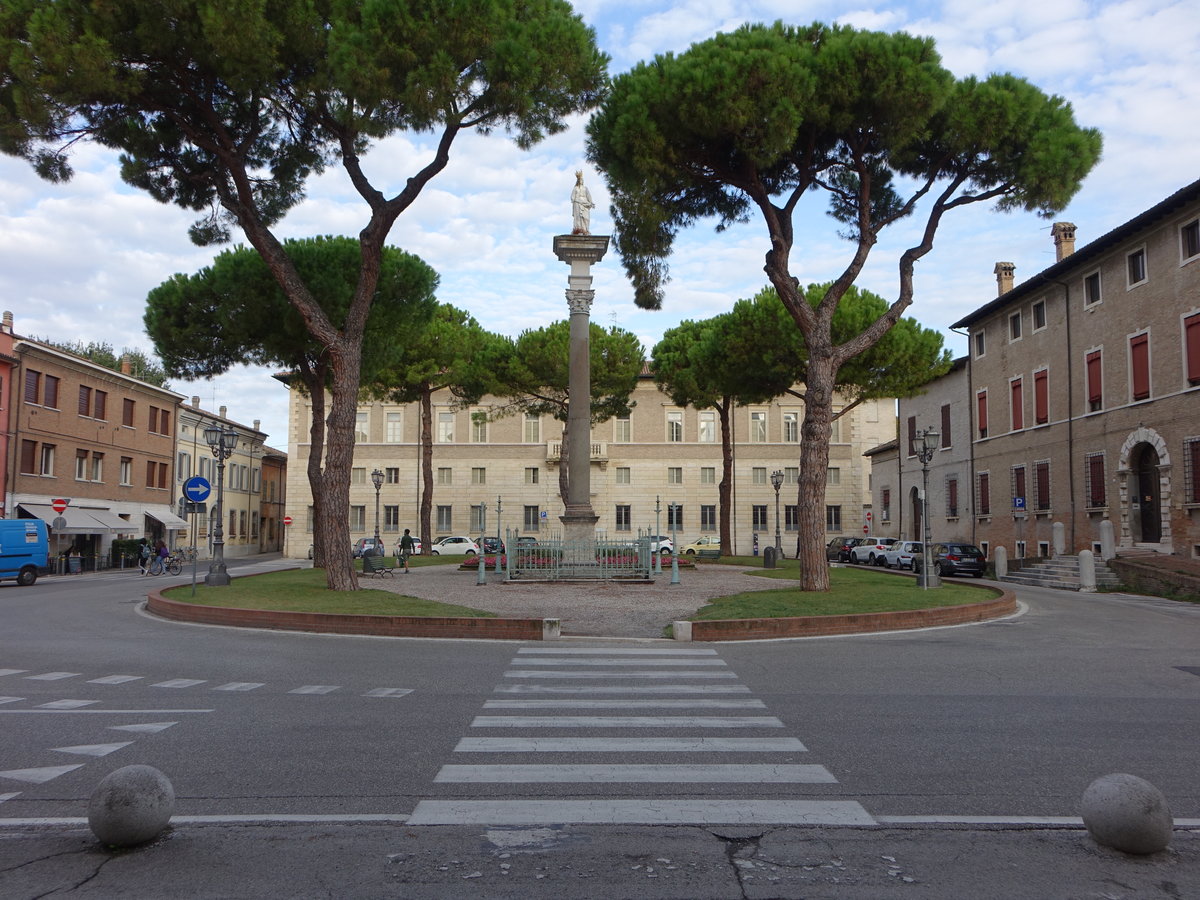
(708, 554)
(374, 565)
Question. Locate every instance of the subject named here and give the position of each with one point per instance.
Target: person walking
(406, 548)
(144, 557)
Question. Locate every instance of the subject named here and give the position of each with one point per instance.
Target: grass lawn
(303, 590)
(850, 591)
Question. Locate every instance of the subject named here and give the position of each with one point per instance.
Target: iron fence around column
(600, 559)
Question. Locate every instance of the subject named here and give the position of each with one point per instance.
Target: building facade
(1084, 392)
(657, 470)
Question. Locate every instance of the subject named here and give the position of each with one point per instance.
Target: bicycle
(170, 565)
(185, 554)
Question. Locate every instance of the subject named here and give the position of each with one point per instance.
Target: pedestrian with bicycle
(144, 553)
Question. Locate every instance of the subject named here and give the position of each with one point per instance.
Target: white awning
(113, 521)
(164, 515)
(79, 519)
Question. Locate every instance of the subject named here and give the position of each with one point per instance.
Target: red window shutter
(1041, 397)
(985, 494)
(952, 496)
(1096, 477)
(31, 386)
(1191, 327)
(1095, 385)
(29, 457)
(85, 400)
(1019, 481)
(946, 425)
(1018, 405)
(1139, 363)
(981, 401)
(1043, 485)
(1194, 446)
(912, 435)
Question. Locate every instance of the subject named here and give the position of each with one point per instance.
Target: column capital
(580, 301)
(586, 248)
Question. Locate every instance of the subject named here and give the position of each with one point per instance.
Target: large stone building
(1082, 395)
(660, 455)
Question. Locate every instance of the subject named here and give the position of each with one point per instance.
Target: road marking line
(606, 689)
(4, 797)
(240, 686)
(179, 683)
(612, 651)
(12, 671)
(388, 692)
(52, 676)
(617, 661)
(99, 712)
(67, 704)
(40, 775)
(93, 749)
(144, 728)
(636, 774)
(640, 812)
(520, 673)
(626, 722)
(698, 703)
(10, 699)
(628, 745)
(316, 689)
(116, 679)
(264, 818)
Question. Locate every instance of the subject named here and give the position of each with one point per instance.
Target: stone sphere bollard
(131, 806)
(1127, 813)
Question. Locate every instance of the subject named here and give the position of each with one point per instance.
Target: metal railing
(554, 559)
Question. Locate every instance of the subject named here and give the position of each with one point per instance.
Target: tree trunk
(564, 475)
(725, 488)
(316, 450)
(426, 403)
(335, 481)
(814, 465)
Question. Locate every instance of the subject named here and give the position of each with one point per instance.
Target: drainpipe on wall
(970, 430)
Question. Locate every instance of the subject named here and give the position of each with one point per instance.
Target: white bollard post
(1000, 559)
(1087, 572)
(551, 629)
(1108, 542)
(682, 631)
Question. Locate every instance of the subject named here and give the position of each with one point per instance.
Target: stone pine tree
(534, 378)
(749, 124)
(228, 108)
(235, 312)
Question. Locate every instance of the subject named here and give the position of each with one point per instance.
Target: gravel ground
(598, 609)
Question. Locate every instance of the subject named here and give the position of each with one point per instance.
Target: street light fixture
(377, 480)
(777, 483)
(657, 556)
(924, 445)
(222, 441)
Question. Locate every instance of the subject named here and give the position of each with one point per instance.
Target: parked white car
(661, 543)
(416, 546)
(457, 545)
(901, 554)
(869, 551)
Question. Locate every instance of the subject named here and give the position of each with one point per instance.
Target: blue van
(24, 550)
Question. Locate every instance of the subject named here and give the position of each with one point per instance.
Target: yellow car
(709, 542)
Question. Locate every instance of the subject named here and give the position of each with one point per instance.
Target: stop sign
(59, 506)
(287, 520)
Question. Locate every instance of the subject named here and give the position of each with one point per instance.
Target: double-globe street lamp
(924, 445)
(777, 482)
(377, 480)
(222, 441)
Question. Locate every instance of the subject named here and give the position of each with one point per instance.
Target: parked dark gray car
(955, 559)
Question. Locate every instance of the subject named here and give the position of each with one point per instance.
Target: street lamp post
(657, 530)
(924, 445)
(674, 517)
(377, 480)
(777, 482)
(222, 441)
(499, 536)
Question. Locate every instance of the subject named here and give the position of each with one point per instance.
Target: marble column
(580, 252)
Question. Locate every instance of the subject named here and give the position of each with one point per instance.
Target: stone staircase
(1062, 573)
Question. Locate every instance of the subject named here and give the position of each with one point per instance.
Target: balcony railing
(598, 449)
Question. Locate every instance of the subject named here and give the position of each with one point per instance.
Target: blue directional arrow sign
(197, 489)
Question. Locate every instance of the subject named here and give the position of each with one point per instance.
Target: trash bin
(768, 557)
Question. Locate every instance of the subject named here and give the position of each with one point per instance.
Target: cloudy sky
(77, 260)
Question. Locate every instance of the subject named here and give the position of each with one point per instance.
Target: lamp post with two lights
(924, 445)
(222, 441)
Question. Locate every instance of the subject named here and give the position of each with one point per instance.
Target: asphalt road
(484, 749)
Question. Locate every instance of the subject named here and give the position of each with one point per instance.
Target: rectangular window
(164, 422)
(47, 461)
(531, 475)
(708, 427)
(791, 474)
(391, 518)
(758, 427)
(151, 473)
(100, 405)
(1095, 381)
(981, 405)
(674, 474)
(127, 409)
(885, 505)
(126, 471)
(152, 420)
(912, 435)
(708, 517)
(833, 518)
(361, 427)
(833, 476)
(532, 429)
(1191, 347)
(1041, 485)
(791, 427)
(791, 517)
(241, 523)
(708, 475)
(1018, 488)
(479, 425)
(623, 475)
(445, 475)
(358, 518)
(1017, 404)
(1139, 365)
(445, 519)
(674, 515)
(393, 430)
(1091, 289)
(1135, 267)
(623, 430)
(358, 475)
(391, 475)
(163, 470)
(952, 496)
(1191, 470)
(50, 392)
(1039, 315)
(478, 475)
(946, 433)
(980, 344)
(533, 518)
(81, 465)
(85, 400)
(1014, 327)
(674, 426)
(758, 475)
(445, 432)
(97, 466)
(1189, 240)
(623, 517)
(28, 457)
(1041, 397)
(759, 516)
(33, 381)
(835, 429)
(983, 494)
(477, 519)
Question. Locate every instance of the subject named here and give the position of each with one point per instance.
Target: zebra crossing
(723, 743)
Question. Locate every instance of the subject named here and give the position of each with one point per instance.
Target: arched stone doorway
(914, 503)
(1146, 518)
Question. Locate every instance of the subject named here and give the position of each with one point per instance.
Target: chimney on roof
(195, 402)
(1064, 240)
(257, 422)
(8, 322)
(1004, 277)
(222, 411)
(126, 365)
